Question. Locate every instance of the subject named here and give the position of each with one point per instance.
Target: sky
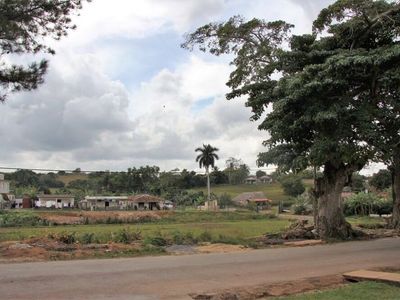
(120, 92)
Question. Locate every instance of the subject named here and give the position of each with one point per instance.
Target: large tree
(24, 27)
(206, 159)
(369, 32)
(319, 115)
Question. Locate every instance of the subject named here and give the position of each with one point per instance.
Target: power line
(51, 170)
(102, 171)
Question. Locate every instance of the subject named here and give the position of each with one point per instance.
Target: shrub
(17, 219)
(127, 236)
(87, 238)
(292, 185)
(205, 236)
(225, 200)
(363, 204)
(64, 237)
(302, 206)
(158, 240)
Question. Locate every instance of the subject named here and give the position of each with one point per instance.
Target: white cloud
(85, 116)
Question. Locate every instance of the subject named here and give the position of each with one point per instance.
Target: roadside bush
(157, 240)
(363, 204)
(87, 238)
(205, 236)
(180, 238)
(126, 236)
(225, 200)
(64, 237)
(302, 206)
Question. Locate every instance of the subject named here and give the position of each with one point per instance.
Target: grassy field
(233, 227)
(357, 291)
(272, 191)
(67, 178)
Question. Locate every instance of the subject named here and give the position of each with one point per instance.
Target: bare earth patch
(274, 290)
(44, 249)
(220, 248)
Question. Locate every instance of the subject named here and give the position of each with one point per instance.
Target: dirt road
(174, 277)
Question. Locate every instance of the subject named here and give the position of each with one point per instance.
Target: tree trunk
(208, 184)
(396, 193)
(330, 220)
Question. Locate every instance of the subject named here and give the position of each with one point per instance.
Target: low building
(136, 202)
(55, 201)
(265, 179)
(4, 185)
(251, 180)
(5, 201)
(243, 198)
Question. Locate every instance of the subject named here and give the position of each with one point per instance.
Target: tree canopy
(25, 26)
(321, 96)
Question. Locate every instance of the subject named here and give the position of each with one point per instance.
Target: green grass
(357, 291)
(354, 220)
(272, 191)
(240, 231)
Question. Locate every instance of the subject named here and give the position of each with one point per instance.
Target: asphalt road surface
(174, 277)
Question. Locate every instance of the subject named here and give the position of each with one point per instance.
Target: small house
(104, 202)
(251, 180)
(136, 202)
(4, 185)
(55, 201)
(243, 198)
(265, 179)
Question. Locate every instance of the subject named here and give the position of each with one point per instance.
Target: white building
(4, 185)
(55, 201)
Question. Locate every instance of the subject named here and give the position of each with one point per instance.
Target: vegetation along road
(174, 277)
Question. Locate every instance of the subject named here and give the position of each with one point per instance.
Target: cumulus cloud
(120, 93)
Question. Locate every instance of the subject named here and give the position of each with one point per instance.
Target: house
(251, 180)
(265, 179)
(243, 198)
(136, 202)
(4, 185)
(55, 201)
(4, 193)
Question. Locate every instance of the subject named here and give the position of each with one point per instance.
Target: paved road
(174, 277)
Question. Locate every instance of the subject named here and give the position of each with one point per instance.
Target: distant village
(135, 202)
(138, 202)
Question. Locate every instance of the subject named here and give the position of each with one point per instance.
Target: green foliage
(205, 236)
(87, 238)
(17, 219)
(292, 185)
(355, 291)
(357, 182)
(64, 237)
(207, 156)
(158, 240)
(362, 204)
(381, 180)
(302, 205)
(236, 170)
(336, 104)
(260, 173)
(24, 24)
(127, 236)
(225, 200)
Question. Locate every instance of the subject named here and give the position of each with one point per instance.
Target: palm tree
(206, 159)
